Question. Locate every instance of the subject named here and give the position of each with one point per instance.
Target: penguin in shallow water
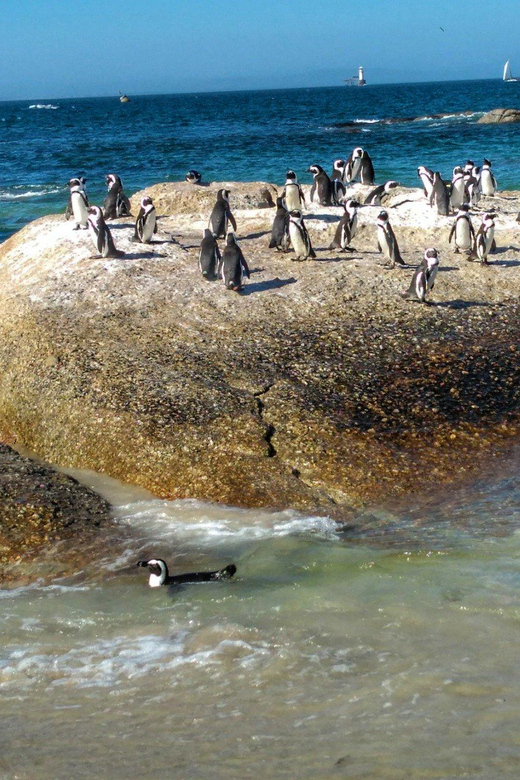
(487, 182)
(159, 574)
(101, 234)
(193, 177)
(462, 230)
(300, 239)
(280, 231)
(146, 222)
(485, 239)
(116, 203)
(209, 257)
(347, 227)
(387, 242)
(459, 194)
(78, 204)
(234, 265)
(292, 193)
(439, 196)
(221, 215)
(321, 187)
(426, 176)
(424, 277)
(381, 193)
(339, 190)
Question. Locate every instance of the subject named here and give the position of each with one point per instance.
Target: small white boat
(124, 98)
(508, 76)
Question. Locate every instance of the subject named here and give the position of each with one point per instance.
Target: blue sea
(244, 136)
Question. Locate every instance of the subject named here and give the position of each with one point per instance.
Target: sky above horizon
(58, 49)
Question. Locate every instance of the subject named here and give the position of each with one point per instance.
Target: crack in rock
(270, 430)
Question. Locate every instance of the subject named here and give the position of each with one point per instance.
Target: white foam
(6, 195)
(44, 105)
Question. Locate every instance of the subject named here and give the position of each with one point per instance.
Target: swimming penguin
(426, 177)
(300, 239)
(462, 230)
(423, 279)
(292, 192)
(194, 177)
(353, 165)
(234, 265)
(78, 204)
(347, 227)
(485, 239)
(280, 231)
(116, 203)
(459, 194)
(146, 222)
(221, 215)
(338, 185)
(387, 242)
(159, 574)
(366, 173)
(101, 234)
(439, 196)
(321, 187)
(487, 182)
(381, 193)
(209, 257)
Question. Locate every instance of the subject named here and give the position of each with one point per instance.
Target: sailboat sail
(507, 71)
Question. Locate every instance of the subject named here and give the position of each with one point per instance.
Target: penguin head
(315, 169)
(111, 179)
(422, 170)
(488, 218)
(357, 153)
(207, 233)
(193, 176)
(223, 195)
(351, 205)
(431, 257)
(338, 165)
(158, 571)
(469, 165)
(464, 209)
(146, 201)
(391, 185)
(96, 214)
(74, 183)
(290, 175)
(383, 216)
(295, 216)
(230, 239)
(279, 203)
(486, 162)
(457, 171)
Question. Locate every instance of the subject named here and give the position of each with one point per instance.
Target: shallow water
(326, 656)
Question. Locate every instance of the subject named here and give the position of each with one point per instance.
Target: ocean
(244, 136)
(387, 656)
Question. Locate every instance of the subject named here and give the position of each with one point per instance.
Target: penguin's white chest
(384, 243)
(457, 194)
(486, 183)
(79, 210)
(149, 227)
(462, 234)
(292, 197)
(297, 241)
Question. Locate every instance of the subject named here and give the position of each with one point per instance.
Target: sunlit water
(326, 657)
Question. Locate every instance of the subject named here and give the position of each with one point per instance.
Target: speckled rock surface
(500, 116)
(317, 388)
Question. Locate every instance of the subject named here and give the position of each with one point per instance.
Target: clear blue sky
(74, 48)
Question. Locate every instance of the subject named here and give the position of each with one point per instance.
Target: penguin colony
(459, 196)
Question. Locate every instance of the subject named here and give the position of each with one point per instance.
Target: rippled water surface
(326, 657)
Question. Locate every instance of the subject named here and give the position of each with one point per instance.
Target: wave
(44, 105)
(9, 195)
(399, 120)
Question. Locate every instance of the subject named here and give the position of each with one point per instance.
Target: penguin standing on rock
(339, 190)
(439, 196)
(381, 193)
(280, 231)
(353, 165)
(101, 234)
(300, 239)
(347, 227)
(426, 177)
(459, 194)
(221, 215)
(146, 222)
(209, 257)
(322, 186)
(485, 240)
(423, 279)
(367, 174)
(78, 204)
(116, 203)
(193, 177)
(487, 182)
(234, 265)
(159, 574)
(387, 242)
(292, 192)
(462, 230)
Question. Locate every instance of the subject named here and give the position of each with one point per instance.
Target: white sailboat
(508, 76)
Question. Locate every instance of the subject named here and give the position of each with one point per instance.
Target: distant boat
(357, 81)
(508, 76)
(124, 98)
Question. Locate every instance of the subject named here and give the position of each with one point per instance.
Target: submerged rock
(500, 116)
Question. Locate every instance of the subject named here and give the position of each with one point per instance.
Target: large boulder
(180, 197)
(500, 116)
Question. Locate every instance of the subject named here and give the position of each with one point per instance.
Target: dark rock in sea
(500, 116)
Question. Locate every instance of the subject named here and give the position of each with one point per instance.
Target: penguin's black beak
(142, 563)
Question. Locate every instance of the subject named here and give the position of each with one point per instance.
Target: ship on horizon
(508, 76)
(357, 81)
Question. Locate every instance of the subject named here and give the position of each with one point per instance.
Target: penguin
(367, 174)
(116, 203)
(280, 231)
(487, 182)
(146, 222)
(381, 193)
(322, 186)
(353, 165)
(462, 230)
(459, 194)
(439, 196)
(468, 166)
(472, 179)
(292, 192)
(221, 215)
(78, 204)
(299, 236)
(159, 574)
(234, 266)
(426, 177)
(101, 234)
(347, 228)
(485, 239)
(193, 177)
(387, 242)
(424, 277)
(209, 257)
(339, 190)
